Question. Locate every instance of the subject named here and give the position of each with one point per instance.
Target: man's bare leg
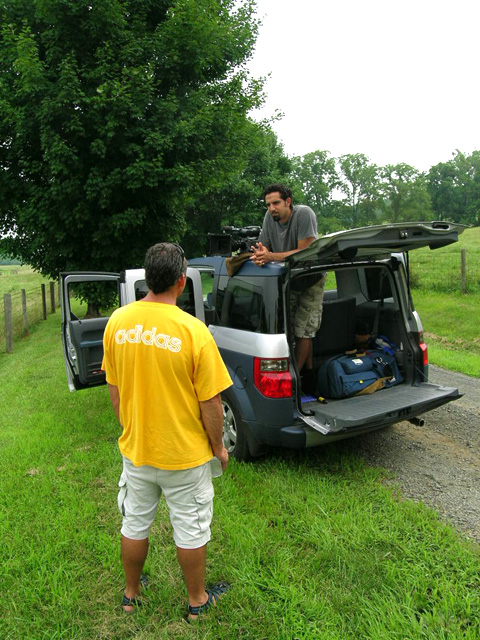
(304, 360)
(192, 562)
(304, 353)
(134, 554)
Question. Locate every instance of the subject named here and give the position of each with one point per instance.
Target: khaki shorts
(188, 494)
(306, 309)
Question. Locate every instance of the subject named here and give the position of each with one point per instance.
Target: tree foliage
(316, 176)
(359, 182)
(454, 188)
(350, 191)
(117, 116)
(405, 194)
(239, 202)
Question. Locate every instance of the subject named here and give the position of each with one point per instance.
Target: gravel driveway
(439, 463)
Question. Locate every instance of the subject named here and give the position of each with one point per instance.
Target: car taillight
(272, 377)
(423, 349)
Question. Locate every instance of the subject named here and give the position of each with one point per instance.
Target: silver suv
(367, 294)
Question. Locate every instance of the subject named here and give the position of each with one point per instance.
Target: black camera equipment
(232, 239)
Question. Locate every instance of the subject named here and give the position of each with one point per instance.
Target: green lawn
(452, 333)
(314, 544)
(13, 278)
(440, 270)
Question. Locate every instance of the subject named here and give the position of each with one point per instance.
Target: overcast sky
(397, 81)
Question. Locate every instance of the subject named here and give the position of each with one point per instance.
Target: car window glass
(206, 276)
(102, 299)
(185, 301)
(141, 289)
(243, 307)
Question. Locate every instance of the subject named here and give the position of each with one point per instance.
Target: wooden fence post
(464, 270)
(24, 311)
(7, 304)
(52, 297)
(44, 302)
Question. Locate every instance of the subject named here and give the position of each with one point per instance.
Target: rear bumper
(304, 437)
(297, 436)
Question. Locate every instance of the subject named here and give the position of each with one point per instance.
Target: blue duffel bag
(356, 374)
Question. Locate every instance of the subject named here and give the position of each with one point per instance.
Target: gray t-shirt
(284, 237)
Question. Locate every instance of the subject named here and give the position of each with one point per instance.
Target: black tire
(234, 437)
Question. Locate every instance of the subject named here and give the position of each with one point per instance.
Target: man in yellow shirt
(165, 375)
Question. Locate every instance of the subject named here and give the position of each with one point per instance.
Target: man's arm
(262, 255)
(115, 399)
(212, 418)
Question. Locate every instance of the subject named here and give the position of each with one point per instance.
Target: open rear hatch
(404, 401)
(374, 241)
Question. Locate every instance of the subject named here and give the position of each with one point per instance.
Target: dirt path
(439, 463)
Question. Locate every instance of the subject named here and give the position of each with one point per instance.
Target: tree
(454, 188)
(359, 182)
(468, 187)
(239, 203)
(117, 115)
(316, 175)
(443, 192)
(405, 193)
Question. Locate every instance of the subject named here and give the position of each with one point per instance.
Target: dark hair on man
(164, 264)
(284, 191)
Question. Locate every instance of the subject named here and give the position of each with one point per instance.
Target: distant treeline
(351, 191)
(345, 192)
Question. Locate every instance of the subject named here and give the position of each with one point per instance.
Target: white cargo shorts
(189, 496)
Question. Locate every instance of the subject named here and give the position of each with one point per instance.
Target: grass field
(452, 332)
(17, 277)
(439, 270)
(314, 544)
(450, 318)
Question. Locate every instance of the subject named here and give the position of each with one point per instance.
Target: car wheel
(234, 438)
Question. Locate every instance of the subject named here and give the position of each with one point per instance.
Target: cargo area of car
(354, 315)
(363, 307)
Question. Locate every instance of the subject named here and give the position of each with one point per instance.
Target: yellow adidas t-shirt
(164, 361)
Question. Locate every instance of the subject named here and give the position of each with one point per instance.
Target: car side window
(141, 289)
(243, 307)
(185, 300)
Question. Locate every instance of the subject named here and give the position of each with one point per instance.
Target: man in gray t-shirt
(287, 229)
(282, 237)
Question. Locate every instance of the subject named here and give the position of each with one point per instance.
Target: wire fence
(22, 309)
(446, 271)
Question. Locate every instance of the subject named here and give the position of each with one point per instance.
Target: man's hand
(261, 255)
(222, 455)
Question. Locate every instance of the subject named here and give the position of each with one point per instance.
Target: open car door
(82, 336)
